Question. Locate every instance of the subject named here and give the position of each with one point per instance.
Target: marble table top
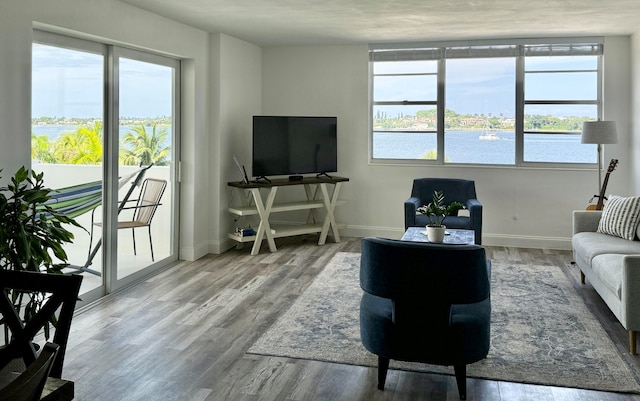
(452, 236)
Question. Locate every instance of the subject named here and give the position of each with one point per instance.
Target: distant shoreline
(78, 125)
(54, 130)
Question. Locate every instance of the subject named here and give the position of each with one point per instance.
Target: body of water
(460, 146)
(468, 147)
(54, 131)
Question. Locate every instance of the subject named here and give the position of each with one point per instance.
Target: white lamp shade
(599, 132)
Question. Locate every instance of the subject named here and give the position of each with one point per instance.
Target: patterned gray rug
(542, 333)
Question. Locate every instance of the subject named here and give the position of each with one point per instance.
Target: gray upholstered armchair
(426, 303)
(455, 190)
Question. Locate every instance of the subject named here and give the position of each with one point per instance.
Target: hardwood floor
(182, 335)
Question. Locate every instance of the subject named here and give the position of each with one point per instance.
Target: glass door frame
(111, 53)
(112, 145)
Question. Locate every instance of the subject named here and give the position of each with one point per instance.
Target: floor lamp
(599, 132)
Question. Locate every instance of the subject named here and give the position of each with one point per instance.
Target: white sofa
(612, 266)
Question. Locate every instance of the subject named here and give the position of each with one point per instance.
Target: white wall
(118, 23)
(15, 96)
(237, 97)
(528, 207)
(617, 107)
(635, 111)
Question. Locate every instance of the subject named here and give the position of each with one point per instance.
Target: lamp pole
(599, 167)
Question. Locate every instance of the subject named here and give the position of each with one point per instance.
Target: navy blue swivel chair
(454, 190)
(426, 303)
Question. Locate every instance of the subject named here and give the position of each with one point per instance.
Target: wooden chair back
(29, 384)
(62, 292)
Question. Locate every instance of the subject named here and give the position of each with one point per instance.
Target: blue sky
(483, 86)
(69, 83)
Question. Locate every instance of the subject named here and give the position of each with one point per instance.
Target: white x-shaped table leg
(329, 220)
(264, 229)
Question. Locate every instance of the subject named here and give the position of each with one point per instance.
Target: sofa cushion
(620, 217)
(590, 244)
(608, 268)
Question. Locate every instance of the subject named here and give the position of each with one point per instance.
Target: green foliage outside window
(477, 122)
(85, 146)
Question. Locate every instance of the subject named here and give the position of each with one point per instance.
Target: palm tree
(143, 148)
(41, 149)
(82, 146)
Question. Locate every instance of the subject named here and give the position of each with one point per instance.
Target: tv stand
(318, 198)
(323, 175)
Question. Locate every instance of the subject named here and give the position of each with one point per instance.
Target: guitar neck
(603, 190)
(600, 204)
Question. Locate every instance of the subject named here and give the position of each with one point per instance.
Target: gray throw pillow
(620, 217)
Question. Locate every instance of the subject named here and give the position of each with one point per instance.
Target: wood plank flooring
(182, 335)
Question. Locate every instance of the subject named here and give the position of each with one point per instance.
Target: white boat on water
(489, 136)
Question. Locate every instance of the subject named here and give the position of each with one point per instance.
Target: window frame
(520, 49)
(438, 103)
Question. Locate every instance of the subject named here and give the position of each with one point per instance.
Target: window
(495, 104)
(405, 109)
(559, 94)
(479, 124)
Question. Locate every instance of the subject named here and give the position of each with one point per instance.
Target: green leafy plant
(31, 233)
(436, 211)
(32, 236)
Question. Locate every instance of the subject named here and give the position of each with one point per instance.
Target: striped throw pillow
(620, 217)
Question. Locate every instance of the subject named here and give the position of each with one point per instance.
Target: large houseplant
(32, 236)
(436, 211)
(31, 233)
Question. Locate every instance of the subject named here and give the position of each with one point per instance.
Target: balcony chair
(143, 211)
(454, 190)
(28, 385)
(76, 200)
(424, 302)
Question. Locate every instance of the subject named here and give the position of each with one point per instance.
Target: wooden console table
(264, 207)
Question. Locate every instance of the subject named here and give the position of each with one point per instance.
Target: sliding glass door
(147, 109)
(109, 116)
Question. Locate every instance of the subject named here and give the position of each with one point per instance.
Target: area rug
(541, 331)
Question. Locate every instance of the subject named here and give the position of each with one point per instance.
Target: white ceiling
(290, 22)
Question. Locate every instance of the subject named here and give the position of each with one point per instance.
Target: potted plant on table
(436, 211)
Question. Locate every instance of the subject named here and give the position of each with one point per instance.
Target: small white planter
(435, 234)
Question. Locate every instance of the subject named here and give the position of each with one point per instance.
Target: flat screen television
(287, 145)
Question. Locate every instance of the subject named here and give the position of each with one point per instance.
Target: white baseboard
(522, 241)
(371, 231)
(195, 253)
(516, 241)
